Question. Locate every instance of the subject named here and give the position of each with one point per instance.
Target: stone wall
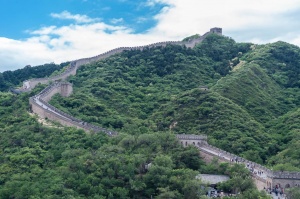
(286, 183)
(74, 65)
(196, 140)
(48, 114)
(209, 157)
(40, 106)
(208, 153)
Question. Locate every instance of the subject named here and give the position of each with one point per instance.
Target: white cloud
(43, 31)
(115, 21)
(141, 19)
(186, 17)
(77, 18)
(152, 3)
(259, 21)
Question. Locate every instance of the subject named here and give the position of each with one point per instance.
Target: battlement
(268, 179)
(28, 85)
(216, 30)
(191, 137)
(286, 174)
(196, 140)
(39, 105)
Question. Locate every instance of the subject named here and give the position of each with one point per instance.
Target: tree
(292, 193)
(166, 193)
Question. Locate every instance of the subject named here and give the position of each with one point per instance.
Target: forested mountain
(158, 90)
(251, 108)
(9, 79)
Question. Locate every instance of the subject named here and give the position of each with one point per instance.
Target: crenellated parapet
(40, 103)
(286, 175)
(191, 137)
(267, 178)
(40, 106)
(28, 85)
(196, 140)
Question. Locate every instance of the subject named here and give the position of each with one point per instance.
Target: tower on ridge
(216, 30)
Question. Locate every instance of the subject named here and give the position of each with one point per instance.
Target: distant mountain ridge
(74, 65)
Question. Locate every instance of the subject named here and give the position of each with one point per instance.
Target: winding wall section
(39, 103)
(74, 65)
(40, 106)
(263, 177)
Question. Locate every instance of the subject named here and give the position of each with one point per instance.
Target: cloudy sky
(42, 31)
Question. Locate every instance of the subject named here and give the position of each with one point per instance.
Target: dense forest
(250, 109)
(38, 161)
(11, 79)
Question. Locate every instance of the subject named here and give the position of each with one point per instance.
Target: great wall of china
(267, 179)
(40, 106)
(74, 65)
(39, 103)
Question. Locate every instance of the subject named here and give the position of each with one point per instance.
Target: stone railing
(39, 100)
(191, 137)
(272, 174)
(240, 159)
(286, 175)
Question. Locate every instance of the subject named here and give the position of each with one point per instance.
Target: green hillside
(228, 125)
(41, 162)
(157, 90)
(286, 130)
(251, 108)
(251, 88)
(128, 88)
(11, 79)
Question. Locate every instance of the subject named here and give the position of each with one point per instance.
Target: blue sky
(43, 31)
(21, 16)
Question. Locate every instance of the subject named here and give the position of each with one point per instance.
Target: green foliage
(229, 126)
(157, 90)
(148, 96)
(191, 37)
(281, 61)
(293, 193)
(41, 162)
(15, 78)
(251, 88)
(241, 182)
(222, 50)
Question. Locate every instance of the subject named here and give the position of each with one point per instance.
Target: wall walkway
(40, 105)
(74, 65)
(263, 177)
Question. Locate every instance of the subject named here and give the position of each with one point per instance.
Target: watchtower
(196, 140)
(216, 30)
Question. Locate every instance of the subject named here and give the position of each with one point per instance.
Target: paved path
(278, 196)
(44, 106)
(228, 158)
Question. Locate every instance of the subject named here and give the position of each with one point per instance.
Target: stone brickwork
(40, 106)
(39, 103)
(270, 178)
(74, 65)
(197, 140)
